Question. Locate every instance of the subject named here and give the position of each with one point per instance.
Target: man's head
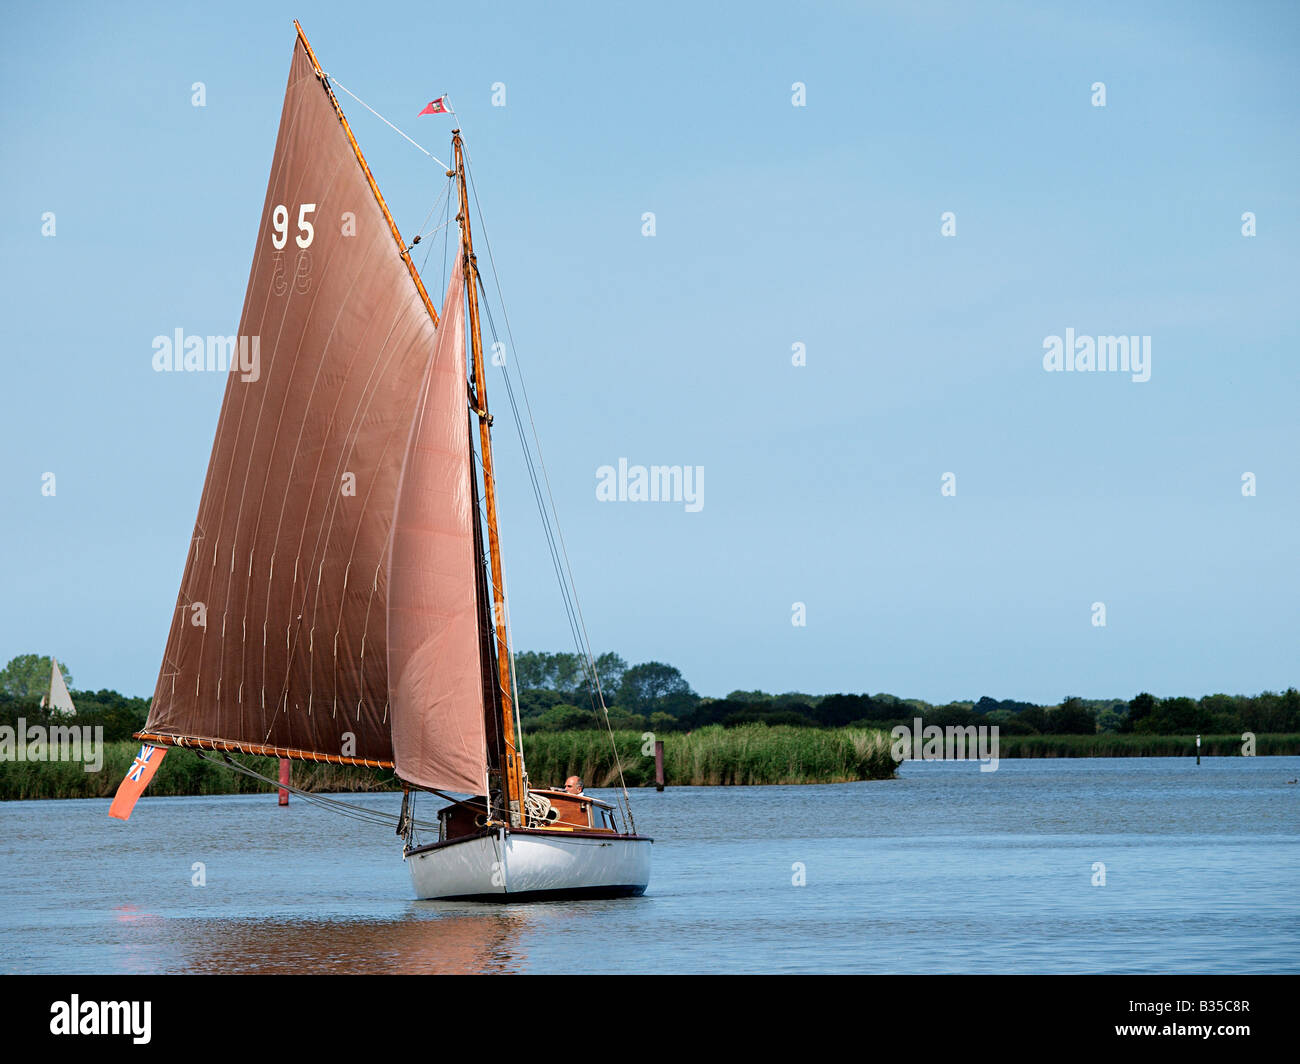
(573, 785)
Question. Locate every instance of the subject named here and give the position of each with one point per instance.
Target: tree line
(26, 679)
(556, 693)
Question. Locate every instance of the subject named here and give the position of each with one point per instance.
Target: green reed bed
(750, 754)
(1109, 745)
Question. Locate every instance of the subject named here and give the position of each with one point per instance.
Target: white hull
(507, 864)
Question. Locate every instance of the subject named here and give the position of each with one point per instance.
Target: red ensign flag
(137, 779)
(437, 107)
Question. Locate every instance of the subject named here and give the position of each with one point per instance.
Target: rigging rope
(584, 643)
(445, 226)
(334, 81)
(354, 812)
(422, 233)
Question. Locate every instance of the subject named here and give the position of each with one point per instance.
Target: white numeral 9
(279, 225)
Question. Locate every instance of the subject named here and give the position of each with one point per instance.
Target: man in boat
(573, 785)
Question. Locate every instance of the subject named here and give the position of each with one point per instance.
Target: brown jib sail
(279, 641)
(434, 663)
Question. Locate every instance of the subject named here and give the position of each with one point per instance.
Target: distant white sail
(60, 700)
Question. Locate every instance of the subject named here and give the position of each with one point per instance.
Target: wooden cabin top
(569, 812)
(578, 811)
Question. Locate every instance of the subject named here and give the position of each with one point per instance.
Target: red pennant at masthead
(137, 779)
(437, 107)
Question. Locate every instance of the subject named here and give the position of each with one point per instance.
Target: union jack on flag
(140, 763)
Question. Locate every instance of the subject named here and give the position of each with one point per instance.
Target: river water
(946, 869)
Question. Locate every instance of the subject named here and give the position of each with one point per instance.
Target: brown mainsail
(279, 639)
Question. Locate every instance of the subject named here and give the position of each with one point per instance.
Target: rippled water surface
(944, 869)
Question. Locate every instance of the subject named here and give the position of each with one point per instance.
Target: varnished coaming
(469, 819)
(575, 810)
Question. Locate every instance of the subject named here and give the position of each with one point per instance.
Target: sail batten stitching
(392, 348)
(300, 100)
(389, 352)
(290, 369)
(323, 272)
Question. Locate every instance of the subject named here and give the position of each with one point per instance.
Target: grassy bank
(747, 755)
(1109, 745)
(751, 754)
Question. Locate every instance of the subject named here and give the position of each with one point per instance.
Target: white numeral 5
(305, 225)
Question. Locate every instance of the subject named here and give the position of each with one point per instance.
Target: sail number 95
(280, 226)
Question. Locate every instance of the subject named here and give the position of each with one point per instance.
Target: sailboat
(343, 598)
(59, 700)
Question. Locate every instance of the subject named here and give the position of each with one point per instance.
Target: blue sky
(775, 225)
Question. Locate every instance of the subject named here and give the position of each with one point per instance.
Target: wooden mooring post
(659, 764)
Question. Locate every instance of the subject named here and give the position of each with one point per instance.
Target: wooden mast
(513, 769)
